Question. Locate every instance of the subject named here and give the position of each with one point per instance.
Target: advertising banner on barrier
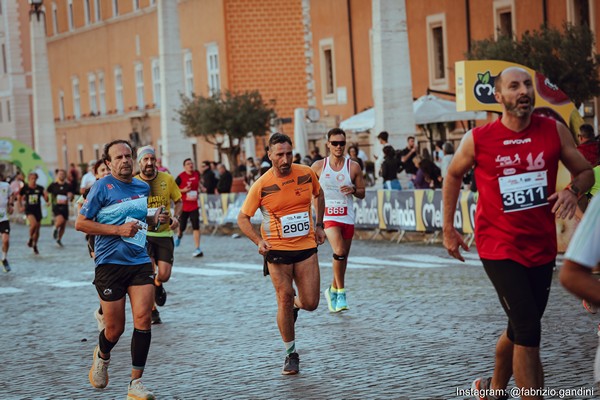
(366, 211)
(214, 208)
(397, 210)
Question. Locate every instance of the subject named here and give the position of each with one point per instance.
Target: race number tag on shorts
(295, 225)
(524, 191)
(62, 199)
(140, 237)
(335, 208)
(192, 195)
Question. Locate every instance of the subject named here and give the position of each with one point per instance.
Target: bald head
(506, 73)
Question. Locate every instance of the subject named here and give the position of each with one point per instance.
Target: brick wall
(265, 50)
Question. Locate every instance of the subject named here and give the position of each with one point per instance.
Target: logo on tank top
(506, 161)
(339, 177)
(508, 142)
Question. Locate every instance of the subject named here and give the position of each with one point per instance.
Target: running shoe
(99, 371)
(30, 242)
(291, 365)
(156, 317)
(484, 385)
(59, 243)
(137, 391)
(99, 319)
(55, 234)
(592, 309)
(176, 240)
(331, 298)
(197, 253)
(160, 295)
(340, 302)
(35, 250)
(5, 265)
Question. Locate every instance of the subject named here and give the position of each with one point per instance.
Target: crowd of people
(134, 213)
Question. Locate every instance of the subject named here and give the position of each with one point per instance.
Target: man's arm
(463, 160)
(177, 207)
(317, 167)
(356, 175)
(319, 204)
(92, 227)
(579, 280)
(580, 168)
(247, 229)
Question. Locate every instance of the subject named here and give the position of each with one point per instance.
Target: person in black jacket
(209, 180)
(225, 179)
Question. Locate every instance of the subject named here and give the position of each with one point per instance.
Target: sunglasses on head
(337, 144)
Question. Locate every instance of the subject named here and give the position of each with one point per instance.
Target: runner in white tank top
(340, 179)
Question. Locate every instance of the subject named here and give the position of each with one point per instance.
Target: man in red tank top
(516, 162)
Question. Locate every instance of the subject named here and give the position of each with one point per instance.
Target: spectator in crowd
(589, 146)
(251, 172)
(438, 153)
(353, 154)
(316, 154)
(265, 158)
(16, 185)
(160, 167)
(225, 179)
(297, 158)
(383, 141)
(406, 156)
(389, 169)
(89, 178)
(264, 167)
(448, 149)
(215, 170)
(73, 178)
(209, 180)
(428, 174)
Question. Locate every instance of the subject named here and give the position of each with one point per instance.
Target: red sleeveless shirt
(515, 172)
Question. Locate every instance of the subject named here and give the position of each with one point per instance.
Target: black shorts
(37, 213)
(160, 248)
(61, 210)
(5, 227)
(194, 217)
(523, 293)
(112, 280)
(287, 257)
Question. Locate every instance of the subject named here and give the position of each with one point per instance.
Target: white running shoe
(99, 371)
(137, 391)
(99, 319)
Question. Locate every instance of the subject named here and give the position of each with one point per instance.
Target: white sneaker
(137, 391)
(99, 371)
(99, 319)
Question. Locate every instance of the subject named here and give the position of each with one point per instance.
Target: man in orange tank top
(340, 179)
(288, 239)
(516, 162)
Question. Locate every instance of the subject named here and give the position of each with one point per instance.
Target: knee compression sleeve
(338, 257)
(140, 346)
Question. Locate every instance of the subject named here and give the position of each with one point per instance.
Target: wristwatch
(320, 225)
(574, 189)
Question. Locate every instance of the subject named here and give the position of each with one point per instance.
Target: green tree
(226, 118)
(565, 57)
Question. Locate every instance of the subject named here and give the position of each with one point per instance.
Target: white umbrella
(430, 109)
(361, 122)
(250, 145)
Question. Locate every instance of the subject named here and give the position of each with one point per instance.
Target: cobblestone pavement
(420, 326)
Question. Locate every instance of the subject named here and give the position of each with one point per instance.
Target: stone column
(44, 133)
(392, 84)
(176, 147)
